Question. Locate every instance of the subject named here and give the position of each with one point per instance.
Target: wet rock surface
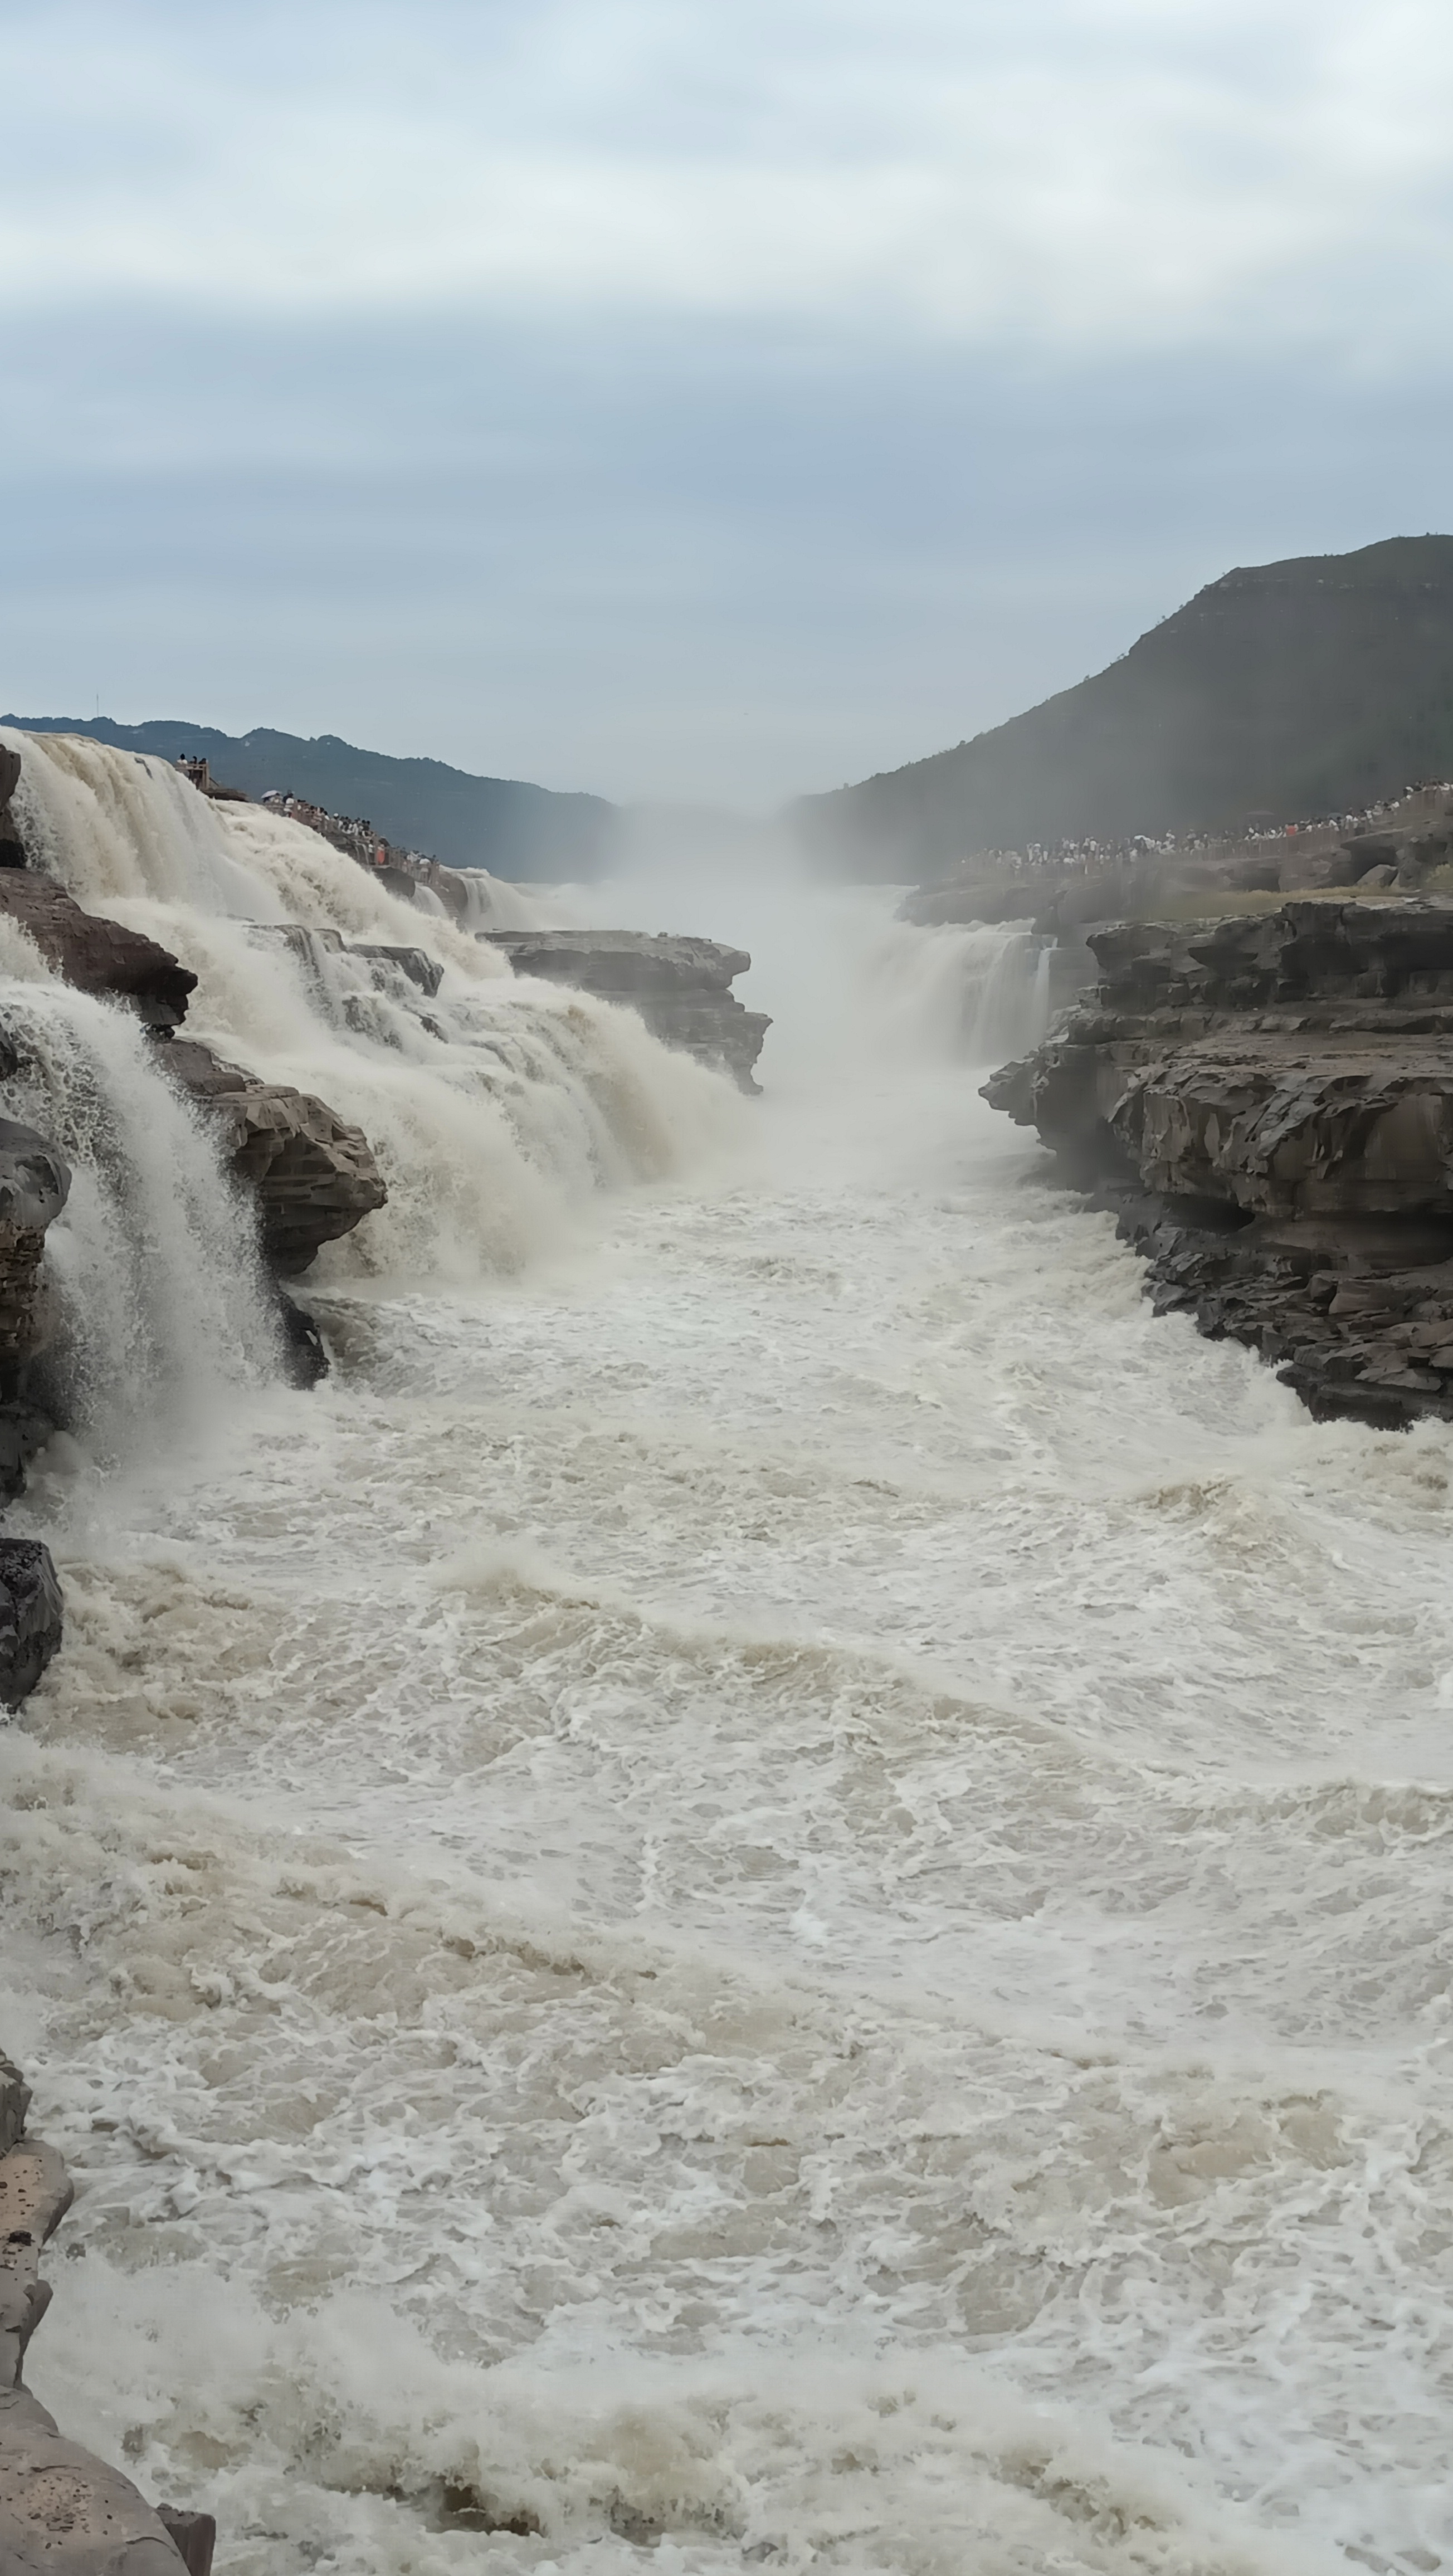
(34, 1186)
(680, 987)
(31, 1618)
(12, 848)
(95, 955)
(1266, 1104)
(314, 1175)
(62, 2511)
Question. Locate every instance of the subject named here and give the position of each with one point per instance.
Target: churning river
(772, 1890)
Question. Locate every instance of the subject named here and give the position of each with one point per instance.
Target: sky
(695, 399)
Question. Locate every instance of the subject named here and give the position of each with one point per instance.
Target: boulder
(680, 987)
(31, 1617)
(12, 850)
(14, 2104)
(34, 1186)
(1267, 1104)
(314, 1174)
(95, 955)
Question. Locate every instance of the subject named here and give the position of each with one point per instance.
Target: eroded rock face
(1267, 1103)
(31, 1616)
(97, 956)
(314, 1174)
(680, 987)
(12, 849)
(34, 1186)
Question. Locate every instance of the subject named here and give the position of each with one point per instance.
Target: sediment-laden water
(774, 1889)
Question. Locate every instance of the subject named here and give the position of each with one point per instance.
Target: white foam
(773, 1894)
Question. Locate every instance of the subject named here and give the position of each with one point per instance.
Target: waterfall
(493, 904)
(494, 1106)
(974, 994)
(154, 1260)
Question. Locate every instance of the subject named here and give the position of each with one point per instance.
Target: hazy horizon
(624, 400)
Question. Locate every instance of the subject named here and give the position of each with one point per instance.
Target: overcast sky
(695, 397)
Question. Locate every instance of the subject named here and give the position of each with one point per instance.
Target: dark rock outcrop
(62, 2511)
(1267, 1104)
(34, 1186)
(31, 1616)
(97, 956)
(314, 1174)
(12, 848)
(680, 987)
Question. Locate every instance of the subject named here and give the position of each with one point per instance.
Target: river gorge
(770, 1887)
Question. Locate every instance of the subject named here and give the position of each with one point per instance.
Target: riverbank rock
(1266, 1102)
(680, 987)
(34, 1186)
(95, 955)
(12, 848)
(62, 2511)
(31, 1616)
(315, 1175)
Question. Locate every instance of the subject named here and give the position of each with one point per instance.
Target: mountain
(496, 823)
(1292, 689)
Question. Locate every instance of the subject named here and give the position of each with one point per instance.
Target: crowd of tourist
(1095, 857)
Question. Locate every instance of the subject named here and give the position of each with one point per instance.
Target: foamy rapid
(772, 1894)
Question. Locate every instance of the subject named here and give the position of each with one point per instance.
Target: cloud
(647, 559)
(664, 395)
(1071, 173)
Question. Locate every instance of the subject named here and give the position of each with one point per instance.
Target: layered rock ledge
(313, 1174)
(680, 987)
(62, 2511)
(96, 955)
(1266, 1103)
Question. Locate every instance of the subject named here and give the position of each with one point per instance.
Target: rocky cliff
(680, 987)
(1267, 1104)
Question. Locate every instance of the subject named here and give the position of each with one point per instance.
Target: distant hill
(1292, 689)
(496, 823)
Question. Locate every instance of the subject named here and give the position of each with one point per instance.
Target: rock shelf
(680, 987)
(1266, 1103)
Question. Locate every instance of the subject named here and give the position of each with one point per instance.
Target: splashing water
(496, 1107)
(774, 1896)
(154, 1258)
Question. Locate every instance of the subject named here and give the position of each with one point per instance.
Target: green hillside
(496, 823)
(1287, 690)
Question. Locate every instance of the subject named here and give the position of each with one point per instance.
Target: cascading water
(772, 1896)
(975, 993)
(494, 1107)
(154, 1260)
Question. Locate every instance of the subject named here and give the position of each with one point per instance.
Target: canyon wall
(1266, 1102)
